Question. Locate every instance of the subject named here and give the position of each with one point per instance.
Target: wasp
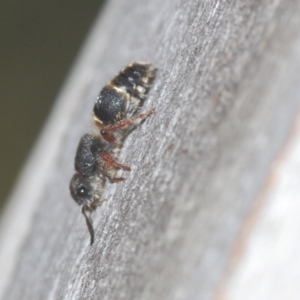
(116, 109)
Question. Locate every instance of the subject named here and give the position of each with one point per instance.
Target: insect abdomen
(110, 105)
(124, 94)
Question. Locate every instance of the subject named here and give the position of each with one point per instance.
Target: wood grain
(226, 94)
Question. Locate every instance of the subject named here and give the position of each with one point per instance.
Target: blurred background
(39, 41)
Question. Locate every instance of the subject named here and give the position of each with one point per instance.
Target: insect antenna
(89, 224)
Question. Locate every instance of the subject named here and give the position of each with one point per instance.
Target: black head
(81, 189)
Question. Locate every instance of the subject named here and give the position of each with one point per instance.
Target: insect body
(116, 108)
(119, 101)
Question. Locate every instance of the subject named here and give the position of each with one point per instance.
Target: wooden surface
(226, 94)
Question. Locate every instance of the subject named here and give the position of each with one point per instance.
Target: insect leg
(106, 131)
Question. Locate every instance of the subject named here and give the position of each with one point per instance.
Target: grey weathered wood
(226, 93)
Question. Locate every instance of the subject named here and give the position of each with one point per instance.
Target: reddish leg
(115, 179)
(106, 131)
(111, 162)
(109, 137)
(105, 172)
